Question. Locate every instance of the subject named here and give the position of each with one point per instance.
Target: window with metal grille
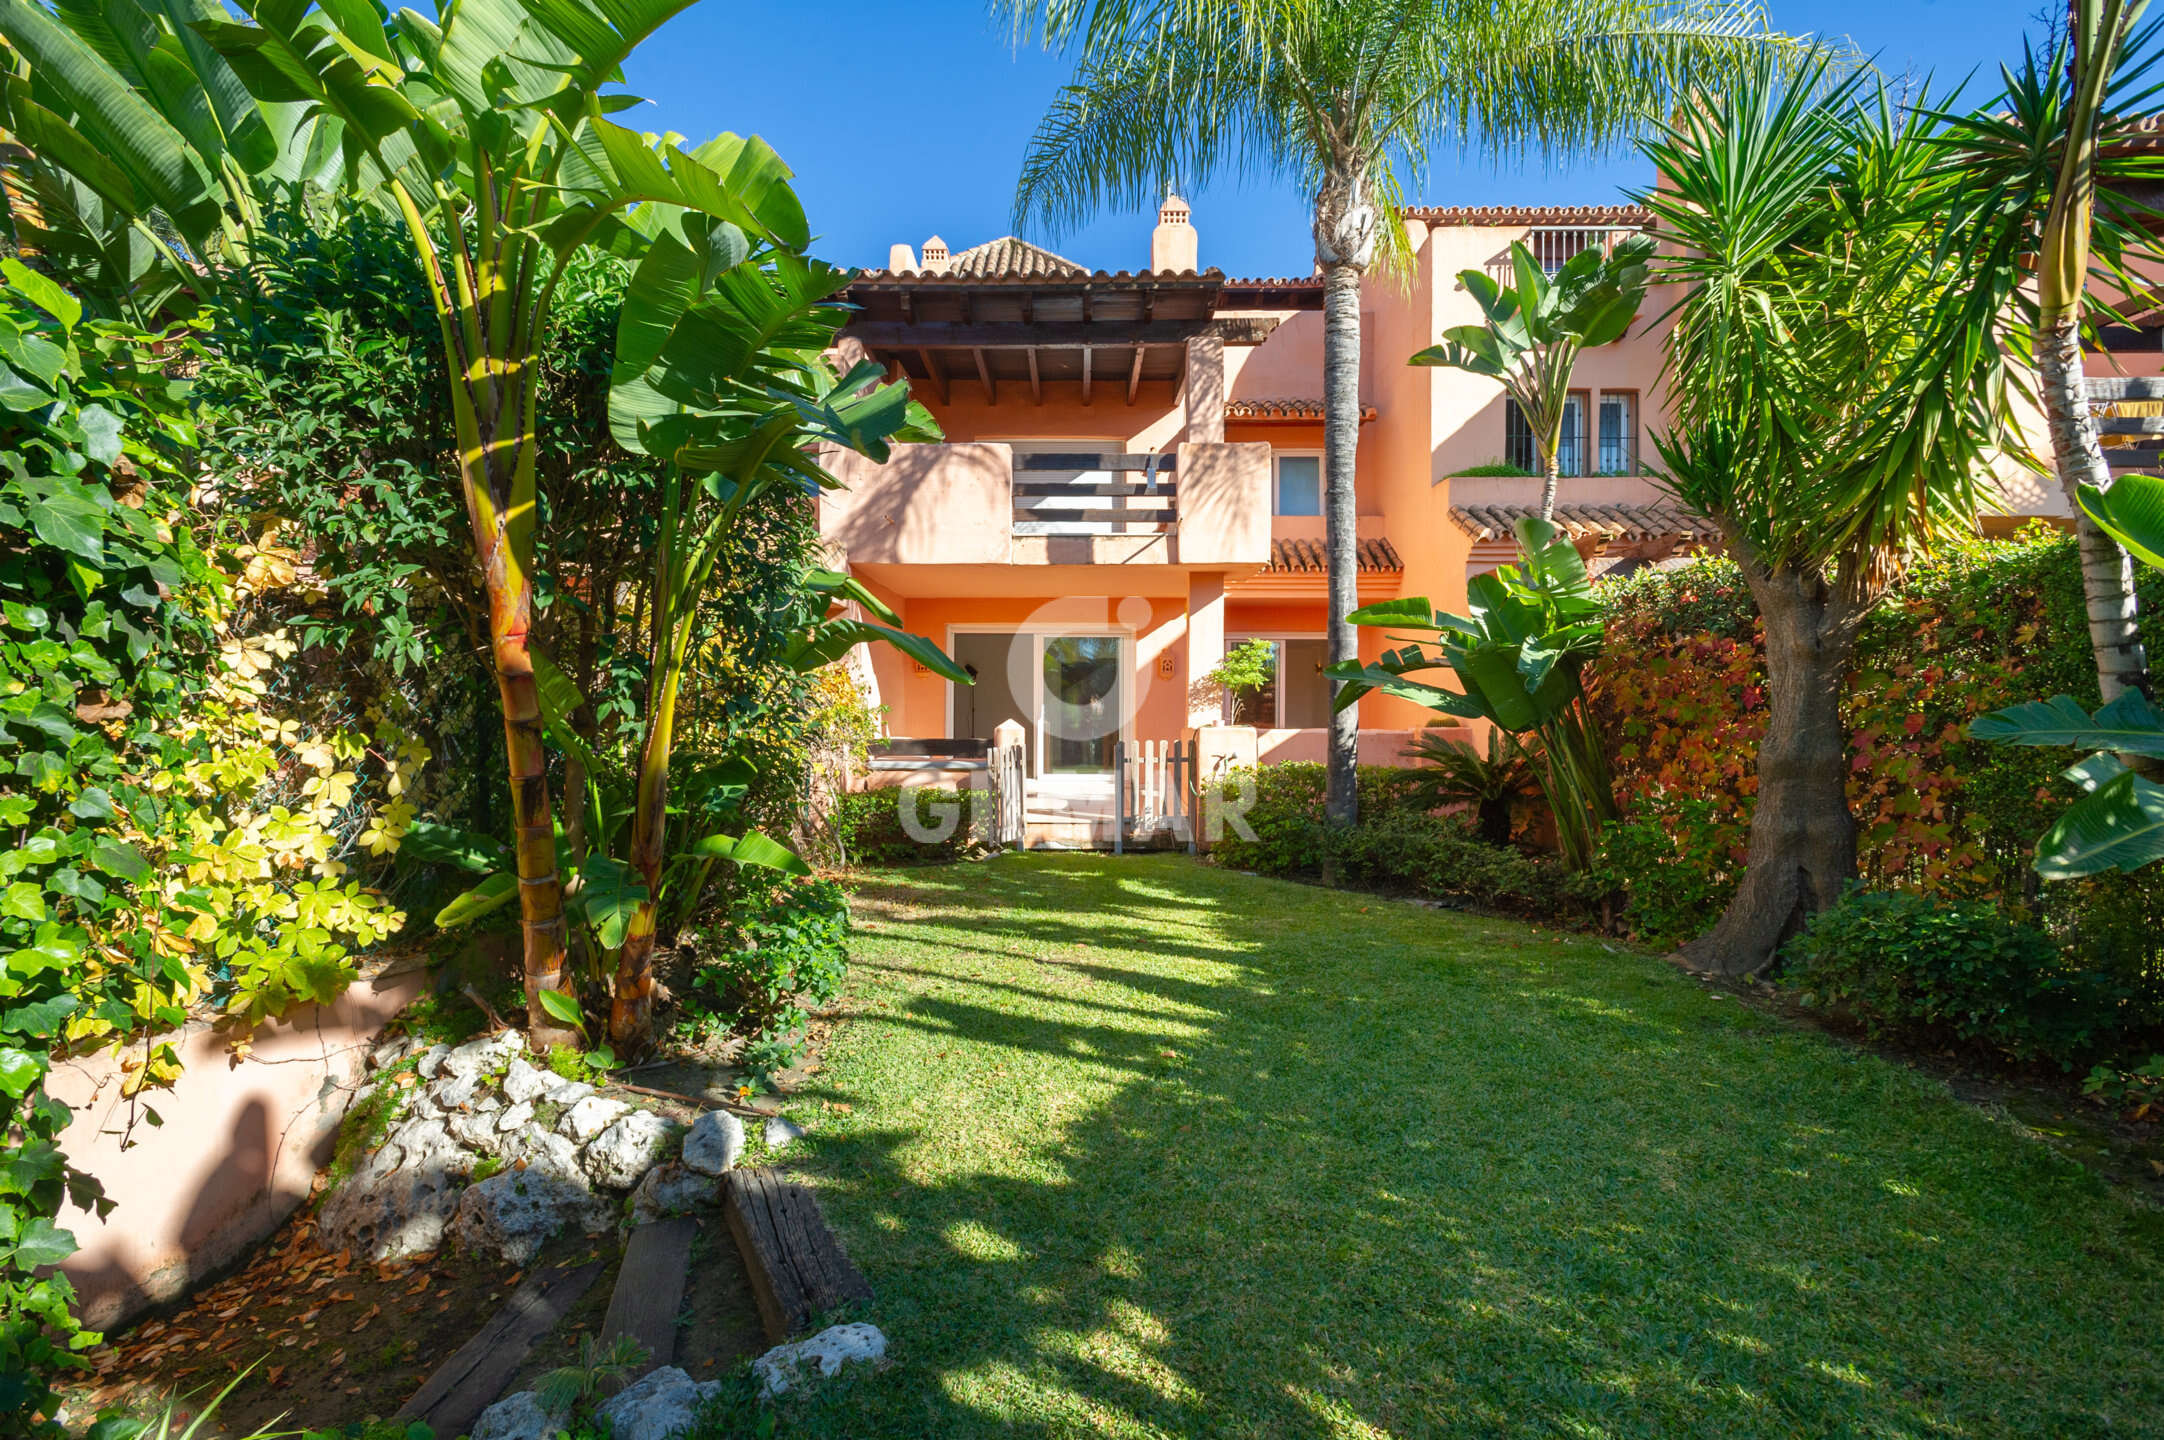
(1520, 449)
(1618, 432)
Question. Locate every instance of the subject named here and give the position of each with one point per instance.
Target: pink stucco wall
(237, 1150)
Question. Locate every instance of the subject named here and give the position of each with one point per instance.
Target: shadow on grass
(1142, 1148)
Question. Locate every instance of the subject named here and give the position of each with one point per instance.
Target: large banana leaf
(2132, 511)
(2118, 826)
(135, 141)
(2130, 725)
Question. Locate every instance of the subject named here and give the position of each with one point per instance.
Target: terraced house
(1131, 483)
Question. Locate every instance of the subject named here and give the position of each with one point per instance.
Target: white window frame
(1277, 505)
(1236, 638)
(1037, 633)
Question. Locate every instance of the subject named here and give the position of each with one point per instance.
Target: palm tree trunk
(1341, 521)
(2107, 572)
(1551, 482)
(1803, 838)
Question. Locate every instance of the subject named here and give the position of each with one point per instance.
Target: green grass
(1139, 1148)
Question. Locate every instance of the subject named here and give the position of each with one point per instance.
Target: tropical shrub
(868, 826)
(1953, 971)
(781, 949)
(1675, 862)
(1398, 844)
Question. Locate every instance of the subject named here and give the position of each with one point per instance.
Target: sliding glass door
(1082, 709)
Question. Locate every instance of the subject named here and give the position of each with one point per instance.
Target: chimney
(1173, 244)
(901, 258)
(935, 256)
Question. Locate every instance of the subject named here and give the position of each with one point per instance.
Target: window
(1298, 694)
(1618, 432)
(1521, 450)
(1299, 484)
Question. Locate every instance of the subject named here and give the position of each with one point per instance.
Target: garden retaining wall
(240, 1145)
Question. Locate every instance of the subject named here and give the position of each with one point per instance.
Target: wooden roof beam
(1086, 352)
(984, 373)
(1134, 375)
(937, 371)
(1036, 382)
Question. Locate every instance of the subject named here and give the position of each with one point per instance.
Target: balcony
(1555, 246)
(982, 503)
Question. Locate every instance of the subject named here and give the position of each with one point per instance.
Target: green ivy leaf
(19, 1070)
(23, 901)
(42, 1243)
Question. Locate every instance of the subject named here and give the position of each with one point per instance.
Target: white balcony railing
(1554, 246)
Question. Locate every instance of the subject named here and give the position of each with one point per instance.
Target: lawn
(1135, 1147)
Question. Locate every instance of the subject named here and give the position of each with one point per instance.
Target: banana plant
(1533, 330)
(488, 134)
(1520, 658)
(721, 374)
(131, 137)
(2119, 823)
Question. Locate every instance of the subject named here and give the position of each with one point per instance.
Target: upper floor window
(1618, 432)
(1520, 449)
(1299, 484)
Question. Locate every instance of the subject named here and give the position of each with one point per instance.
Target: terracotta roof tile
(1647, 521)
(1010, 256)
(1307, 557)
(1283, 410)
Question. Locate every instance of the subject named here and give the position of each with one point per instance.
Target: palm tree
(1345, 98)
(2066, 131)
(1840, 392)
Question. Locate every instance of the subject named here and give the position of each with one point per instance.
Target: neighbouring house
(1131, 483)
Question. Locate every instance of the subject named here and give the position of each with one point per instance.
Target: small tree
(2066, 133)
(1839, 402)
(1535, 327)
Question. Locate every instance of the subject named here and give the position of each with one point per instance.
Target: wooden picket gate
(1010, 798)
(1153, 791)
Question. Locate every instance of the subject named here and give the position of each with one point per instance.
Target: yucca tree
(1346, 98)
(487, 134)
(1840, 394)
(2064, 135)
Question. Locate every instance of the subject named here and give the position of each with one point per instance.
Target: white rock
(626, 1150)
(562, 1091)
(514, 1214)
(523, 1082)
(663, 1405)
(390, 1052)
(488, 1102)
(478, 1057)
(386, 1211)
(454, 1092)
(590, 1116)
(431, 1061)
(474, 1131)
(539, 1150)
(516, 1117)
(781, 1133)
(670, 1189)
(517, 1417)
(781, 1367)
(714, 1142)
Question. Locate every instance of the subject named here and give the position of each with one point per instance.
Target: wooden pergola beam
(937, 371)
(1036, 382)
(1049, 334)
(1134, 375)
(984, 373)
(1086, 353)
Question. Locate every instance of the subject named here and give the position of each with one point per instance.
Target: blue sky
(905, 118)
